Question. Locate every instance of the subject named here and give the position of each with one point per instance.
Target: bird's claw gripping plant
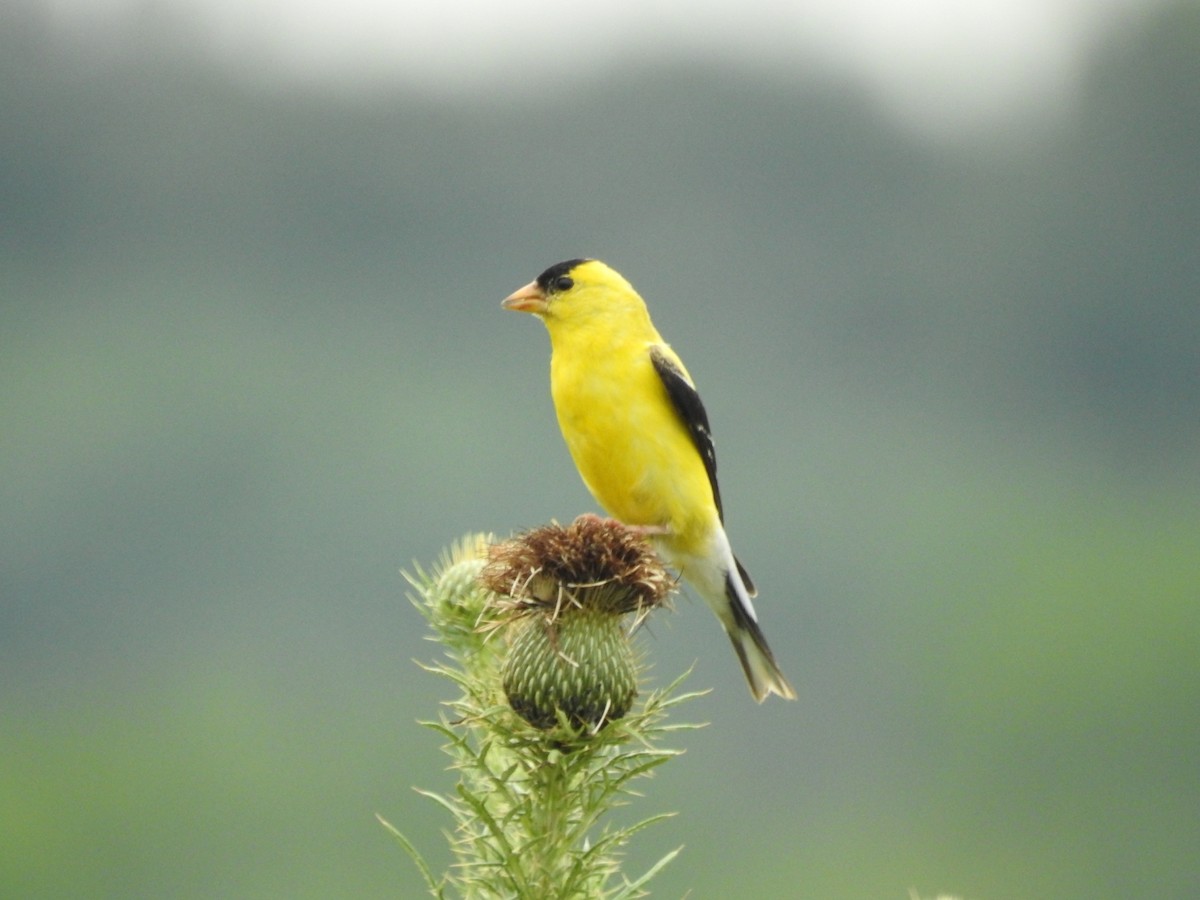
(547, 733)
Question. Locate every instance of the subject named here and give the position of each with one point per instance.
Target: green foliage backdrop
(252, 363)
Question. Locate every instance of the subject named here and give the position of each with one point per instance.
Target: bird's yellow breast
(633, 451)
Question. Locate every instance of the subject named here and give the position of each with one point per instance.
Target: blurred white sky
(937, 64)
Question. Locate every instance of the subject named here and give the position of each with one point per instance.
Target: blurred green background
(252, 363)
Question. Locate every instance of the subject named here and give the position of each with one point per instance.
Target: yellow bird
(639, 436)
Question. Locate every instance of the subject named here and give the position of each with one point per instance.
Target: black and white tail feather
(717, 576)
(758, 662)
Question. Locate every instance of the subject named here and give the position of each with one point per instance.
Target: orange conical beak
(530, 299)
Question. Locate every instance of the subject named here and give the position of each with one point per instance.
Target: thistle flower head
(592, 561)
(564, 598)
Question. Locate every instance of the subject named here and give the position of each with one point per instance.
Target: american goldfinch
(639, 436)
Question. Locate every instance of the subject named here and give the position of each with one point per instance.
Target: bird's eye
(564, 283)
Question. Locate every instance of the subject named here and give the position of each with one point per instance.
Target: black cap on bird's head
(551, 280)
(535, 296)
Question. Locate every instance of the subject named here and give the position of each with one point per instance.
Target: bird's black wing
(686, 401)
(691, 411)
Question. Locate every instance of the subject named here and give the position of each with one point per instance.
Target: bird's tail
(758, 662)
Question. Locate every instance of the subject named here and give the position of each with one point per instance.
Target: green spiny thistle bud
(452, 597)
(568, 599)
(456, 587)
(580, 664)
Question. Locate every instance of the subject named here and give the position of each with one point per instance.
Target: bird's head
(575, 291)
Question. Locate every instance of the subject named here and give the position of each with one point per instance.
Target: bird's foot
(643, 530)
(650, 530)
(590, 518)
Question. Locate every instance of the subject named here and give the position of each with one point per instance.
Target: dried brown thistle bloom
(567, 599)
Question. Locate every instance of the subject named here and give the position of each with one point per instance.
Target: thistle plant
(547, 733)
